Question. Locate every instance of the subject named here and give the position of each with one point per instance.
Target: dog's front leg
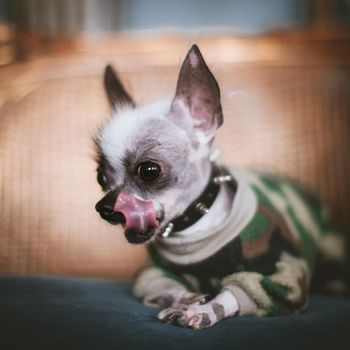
(198, 316)
(155, 288)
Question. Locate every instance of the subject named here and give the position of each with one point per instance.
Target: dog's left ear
(116, 93)
(199, 92)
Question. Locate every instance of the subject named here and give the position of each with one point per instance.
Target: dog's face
(153, 160)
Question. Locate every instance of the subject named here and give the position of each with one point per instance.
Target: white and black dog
(223, 242)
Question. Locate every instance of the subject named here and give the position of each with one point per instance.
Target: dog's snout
(105, 208)
(113, 217)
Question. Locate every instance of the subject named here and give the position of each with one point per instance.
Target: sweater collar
(200, 245)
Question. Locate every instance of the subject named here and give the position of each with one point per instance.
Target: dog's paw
(193, 316)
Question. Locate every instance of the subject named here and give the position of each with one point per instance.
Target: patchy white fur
(113, 142)
(175, 200)
(121, 131)
(228, 301)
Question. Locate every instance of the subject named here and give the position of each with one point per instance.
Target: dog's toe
(192, 298)
(171, 315)
(196, 321)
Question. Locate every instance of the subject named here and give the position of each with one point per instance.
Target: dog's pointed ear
(116, 93)
(199, 92)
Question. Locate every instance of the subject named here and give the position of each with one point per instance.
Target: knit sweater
(264, 252)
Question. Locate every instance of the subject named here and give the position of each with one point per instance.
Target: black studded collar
(202, 204)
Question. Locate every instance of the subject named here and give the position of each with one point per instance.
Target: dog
(223, 242)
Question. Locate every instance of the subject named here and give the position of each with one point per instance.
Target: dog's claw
(190, 299)
(192, 321)
(171, 315)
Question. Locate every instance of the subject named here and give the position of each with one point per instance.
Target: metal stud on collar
(222, 179)
(201, 208)
(168, 230)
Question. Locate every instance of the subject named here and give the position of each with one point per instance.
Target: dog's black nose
(105, 208)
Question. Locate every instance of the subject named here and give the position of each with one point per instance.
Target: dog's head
(153, 159)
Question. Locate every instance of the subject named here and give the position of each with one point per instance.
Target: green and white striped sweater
(264, 253)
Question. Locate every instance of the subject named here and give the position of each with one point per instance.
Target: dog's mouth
(136, 237)
(139, 237)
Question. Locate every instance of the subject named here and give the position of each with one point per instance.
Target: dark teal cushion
(66, 313)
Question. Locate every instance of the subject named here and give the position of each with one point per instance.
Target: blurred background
(284, 71)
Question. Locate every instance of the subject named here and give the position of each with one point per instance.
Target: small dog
(223, 242)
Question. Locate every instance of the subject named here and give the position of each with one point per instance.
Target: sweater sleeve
(283, 292)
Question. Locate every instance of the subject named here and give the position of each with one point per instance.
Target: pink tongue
(139, 215)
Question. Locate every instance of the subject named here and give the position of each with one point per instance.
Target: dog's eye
(101, 178)
(148, 171)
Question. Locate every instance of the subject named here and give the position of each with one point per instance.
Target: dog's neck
(203, 201)
(212, 206)
(218, 213)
